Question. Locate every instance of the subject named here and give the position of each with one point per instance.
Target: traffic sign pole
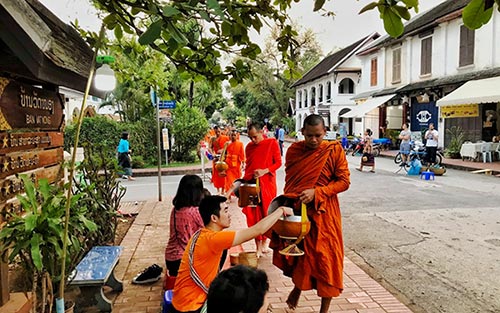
(158, 134)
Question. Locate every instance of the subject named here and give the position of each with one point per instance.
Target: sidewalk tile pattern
(145, 242)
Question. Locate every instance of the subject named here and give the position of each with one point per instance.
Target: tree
(194, 34)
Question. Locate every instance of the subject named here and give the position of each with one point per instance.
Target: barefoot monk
(263, 159)
(316, 172)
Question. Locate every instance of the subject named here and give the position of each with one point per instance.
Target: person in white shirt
(432, 143)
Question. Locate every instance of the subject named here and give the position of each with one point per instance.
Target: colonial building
(328, 87)
(404, 78)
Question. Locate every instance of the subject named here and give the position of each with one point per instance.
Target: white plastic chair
(486, 151)
(497, 151)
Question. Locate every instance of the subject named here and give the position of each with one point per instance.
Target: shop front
(474, 107)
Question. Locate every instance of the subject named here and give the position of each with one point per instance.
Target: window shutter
(467, 37)
(426, 56)
(396, 65)
(373, 77)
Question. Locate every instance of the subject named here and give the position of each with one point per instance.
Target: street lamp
(104, 76)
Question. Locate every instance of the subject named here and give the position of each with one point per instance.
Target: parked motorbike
(418, 151)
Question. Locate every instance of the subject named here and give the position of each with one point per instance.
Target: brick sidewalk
(145, 242)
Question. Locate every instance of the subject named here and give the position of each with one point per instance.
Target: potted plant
(34, 239)
(456, 134)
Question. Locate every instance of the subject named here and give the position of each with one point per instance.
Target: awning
(367, 106)
(473, 92)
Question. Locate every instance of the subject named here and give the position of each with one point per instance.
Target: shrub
(456, 140)
(188, 128)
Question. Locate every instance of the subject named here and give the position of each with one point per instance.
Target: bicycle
(419, 152)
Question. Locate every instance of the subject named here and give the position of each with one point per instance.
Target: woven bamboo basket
(248, 258)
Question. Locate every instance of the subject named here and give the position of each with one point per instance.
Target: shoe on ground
(125, 177)
(149, 275)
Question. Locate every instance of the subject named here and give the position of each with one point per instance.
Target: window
(313, 96)
(300, 99)
(396, 65)
(426, 56)
(466, 46)
(373, 72)
(328, 91)
(346, 86)
(320, 93)
(305, 98)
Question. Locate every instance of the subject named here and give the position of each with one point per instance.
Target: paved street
(437, 242)
(434, 243)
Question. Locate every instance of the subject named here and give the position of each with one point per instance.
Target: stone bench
(95, 271)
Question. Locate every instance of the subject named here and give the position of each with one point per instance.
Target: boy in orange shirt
(206, 253)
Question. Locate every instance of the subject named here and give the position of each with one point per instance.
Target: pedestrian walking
(431, 145)
(404, 147)
(124, 158)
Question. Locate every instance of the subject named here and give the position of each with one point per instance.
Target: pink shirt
(187, 222)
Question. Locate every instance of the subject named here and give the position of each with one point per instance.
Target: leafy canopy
(195, 34)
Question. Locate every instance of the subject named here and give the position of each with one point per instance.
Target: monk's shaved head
(255, 126)
(314, 120)
(313, 131)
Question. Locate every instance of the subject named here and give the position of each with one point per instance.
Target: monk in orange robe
(263, 159)
(235, 158)
(316, 172)
(217, 147)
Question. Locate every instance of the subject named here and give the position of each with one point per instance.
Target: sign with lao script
(463, 110)
(26, 107)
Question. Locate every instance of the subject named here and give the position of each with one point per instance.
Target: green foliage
(106, 132)
(103, 191)
(478, 12)
(188, 128)
(35, 240)
(178, 30)
(97, 129)
(457, 136)
(392, 12)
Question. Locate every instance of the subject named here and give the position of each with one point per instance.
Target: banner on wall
(463, 110)
(422, 114)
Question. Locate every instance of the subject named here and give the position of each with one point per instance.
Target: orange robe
(235, 156)
(265, 154)
(324, 169)
(218, 144)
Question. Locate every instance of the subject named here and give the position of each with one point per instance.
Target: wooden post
(4, 283)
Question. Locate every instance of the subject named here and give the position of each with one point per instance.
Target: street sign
(166, 104)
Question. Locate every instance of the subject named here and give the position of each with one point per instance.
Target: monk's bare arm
(342, 176)
(261, 227)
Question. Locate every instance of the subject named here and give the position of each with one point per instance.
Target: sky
(332, 33)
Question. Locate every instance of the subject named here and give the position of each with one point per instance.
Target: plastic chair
(486, 151)
(497, 152)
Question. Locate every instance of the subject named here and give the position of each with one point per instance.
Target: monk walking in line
(316, 172)
(217, 146)
(235, 159)
(263, 159)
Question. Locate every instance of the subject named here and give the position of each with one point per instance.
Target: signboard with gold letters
(463, 110)
(31, 141)
(26, 107)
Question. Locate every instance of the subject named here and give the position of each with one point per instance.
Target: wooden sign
(13, 185)
(18, 162)
(26, 107)
(10, 142)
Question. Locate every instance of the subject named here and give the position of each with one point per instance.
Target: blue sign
(422, 114)
(166, 104)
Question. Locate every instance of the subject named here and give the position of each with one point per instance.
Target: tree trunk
(191, 92)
